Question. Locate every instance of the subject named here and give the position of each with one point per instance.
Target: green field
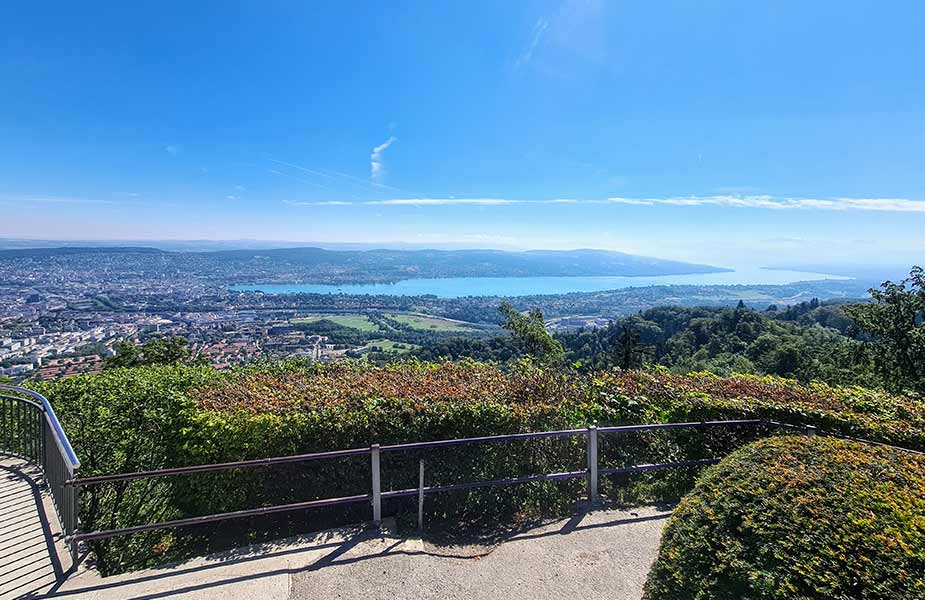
(427, 323)
(354, 321)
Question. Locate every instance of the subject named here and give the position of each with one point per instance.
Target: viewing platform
(605, 553)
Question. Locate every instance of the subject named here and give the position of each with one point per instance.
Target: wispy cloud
(778, 203)
(376, 164)
(319, 203)
(339, 179)
(444, 201)
(539, 30)
(470, 201)
(232, 197)
(171, 149)
(297, 178)
(758, 202)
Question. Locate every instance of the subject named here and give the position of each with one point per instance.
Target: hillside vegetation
(816, 343)
(876, 344)
(142, 418)
(794, 518)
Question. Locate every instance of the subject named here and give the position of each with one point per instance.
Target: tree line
(880, 343)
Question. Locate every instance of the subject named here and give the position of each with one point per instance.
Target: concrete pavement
(601, 554)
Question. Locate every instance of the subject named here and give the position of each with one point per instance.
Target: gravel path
(604, 554)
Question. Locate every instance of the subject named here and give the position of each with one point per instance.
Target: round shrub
(799, 518)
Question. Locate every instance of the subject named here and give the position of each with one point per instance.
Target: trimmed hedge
(155, 417)
(848, 410)
(799, 518)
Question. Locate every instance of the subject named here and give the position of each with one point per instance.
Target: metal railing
(30, 430)
(592, 473)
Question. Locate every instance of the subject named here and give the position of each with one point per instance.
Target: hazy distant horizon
(862, 270)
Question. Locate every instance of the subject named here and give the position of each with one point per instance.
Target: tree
(530, 330)
(126, 354)
(630, 352)
(158, 351)
(895, 322)
(165, 351)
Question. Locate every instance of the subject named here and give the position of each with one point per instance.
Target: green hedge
(125, 420)
(155, 417)
(799, 518)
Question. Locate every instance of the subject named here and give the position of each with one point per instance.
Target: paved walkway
(602, 554)
(33, 558)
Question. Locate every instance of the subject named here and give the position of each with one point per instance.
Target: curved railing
(30, 430)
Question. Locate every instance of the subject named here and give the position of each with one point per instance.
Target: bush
(851, 410)
(799, 518)
(145, 418)
(119, 421)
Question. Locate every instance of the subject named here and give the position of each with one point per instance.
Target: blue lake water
(458, 287)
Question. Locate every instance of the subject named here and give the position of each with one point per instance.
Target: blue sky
(727, 132)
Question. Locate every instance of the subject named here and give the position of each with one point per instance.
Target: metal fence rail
(29, 429)
(375, 497)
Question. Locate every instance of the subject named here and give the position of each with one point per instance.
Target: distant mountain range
(475, 263)
(318, 265)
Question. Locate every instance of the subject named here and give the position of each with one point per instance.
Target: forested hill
(477, 263)
(807, 341)
(317, 265)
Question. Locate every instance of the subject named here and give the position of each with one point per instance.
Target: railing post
(74, 507)
(592, 464)
(421, 498)
(377, 491)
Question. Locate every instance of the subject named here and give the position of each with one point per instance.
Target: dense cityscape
(63, 311)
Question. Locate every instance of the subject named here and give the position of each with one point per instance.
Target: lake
(458, 287)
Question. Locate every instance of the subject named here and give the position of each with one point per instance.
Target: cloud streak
(376, 164)
(756, 202)
(539, 30)
(778, 203)
(469, 201)
(444, 201)
(319, 203)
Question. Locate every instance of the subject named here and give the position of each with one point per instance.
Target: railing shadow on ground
(30, 563)
(177, 577)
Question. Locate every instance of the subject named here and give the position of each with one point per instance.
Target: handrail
(66, 485)
(58, 462)
(58, 432)
(265, 462)
(377, 496)
(242, 464)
